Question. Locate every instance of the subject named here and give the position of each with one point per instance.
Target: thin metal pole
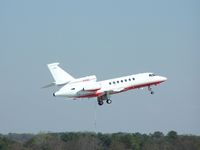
(95, 123)
(95, 117)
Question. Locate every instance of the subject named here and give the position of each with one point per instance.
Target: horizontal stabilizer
(49, 85)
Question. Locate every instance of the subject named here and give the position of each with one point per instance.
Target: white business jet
(88, 87)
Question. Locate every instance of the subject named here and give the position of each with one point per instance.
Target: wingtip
(53, 64)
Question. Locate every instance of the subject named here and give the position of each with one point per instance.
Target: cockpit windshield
(152, 75)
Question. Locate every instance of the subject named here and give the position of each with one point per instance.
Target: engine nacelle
(92, 78)
(92, 86)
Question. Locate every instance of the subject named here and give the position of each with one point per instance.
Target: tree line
(99, 141)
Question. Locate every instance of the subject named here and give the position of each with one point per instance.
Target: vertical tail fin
(59, 75)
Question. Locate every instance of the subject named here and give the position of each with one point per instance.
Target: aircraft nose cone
(164, 78)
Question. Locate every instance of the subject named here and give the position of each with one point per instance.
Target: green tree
(157, 134)
(172, 135)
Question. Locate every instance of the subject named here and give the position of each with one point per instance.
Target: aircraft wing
(115, 90)
(118, 89)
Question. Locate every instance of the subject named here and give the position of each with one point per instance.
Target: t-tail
(60, 76)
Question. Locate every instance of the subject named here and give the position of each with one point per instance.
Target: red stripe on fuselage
(91, 95)
(126, 89)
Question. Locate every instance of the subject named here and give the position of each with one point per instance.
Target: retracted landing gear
(150, 89)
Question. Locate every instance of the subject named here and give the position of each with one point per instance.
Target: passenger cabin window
(72, 88)
(133, 78)
(113, 82)
(129, 79)
(117, 81)
(121, 81)
(125, 80)
(110, 83)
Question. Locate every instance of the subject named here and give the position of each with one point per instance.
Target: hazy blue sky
(109, 39)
